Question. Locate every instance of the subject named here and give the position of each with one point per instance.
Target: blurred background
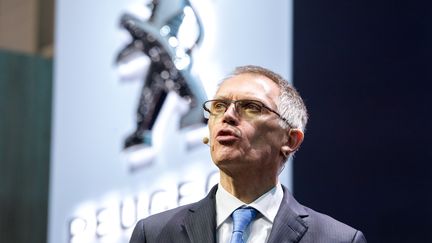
(363, 68)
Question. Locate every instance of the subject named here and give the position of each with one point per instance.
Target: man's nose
(231, 116)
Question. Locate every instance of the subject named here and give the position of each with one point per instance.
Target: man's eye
(218, 106)
(251, 107)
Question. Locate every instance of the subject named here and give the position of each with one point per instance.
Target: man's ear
(295, 138)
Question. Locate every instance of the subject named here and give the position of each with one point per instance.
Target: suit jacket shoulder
(150, 228)
(307, 225)
(328, 229)
(194, 222)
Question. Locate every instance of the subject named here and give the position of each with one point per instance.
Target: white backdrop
(93, 195)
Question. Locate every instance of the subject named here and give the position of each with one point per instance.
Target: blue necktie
(242, 217)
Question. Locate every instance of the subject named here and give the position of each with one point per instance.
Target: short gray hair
(291, 106)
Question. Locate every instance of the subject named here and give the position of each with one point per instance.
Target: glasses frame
(235, 102)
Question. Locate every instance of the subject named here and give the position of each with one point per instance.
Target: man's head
(256, 122)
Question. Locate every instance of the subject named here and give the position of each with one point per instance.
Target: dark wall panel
(364, 69)
(25, 118)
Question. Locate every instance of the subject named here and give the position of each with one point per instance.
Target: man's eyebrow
(221, 97)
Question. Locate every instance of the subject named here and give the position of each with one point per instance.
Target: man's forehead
(248, 83)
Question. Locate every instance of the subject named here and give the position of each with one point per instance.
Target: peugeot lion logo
(159, 40)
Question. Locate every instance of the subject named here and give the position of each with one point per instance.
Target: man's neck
(246, 189)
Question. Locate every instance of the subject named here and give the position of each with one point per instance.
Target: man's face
(243, 144)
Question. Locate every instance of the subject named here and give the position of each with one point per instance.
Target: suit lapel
(288, 225)
(200, 224)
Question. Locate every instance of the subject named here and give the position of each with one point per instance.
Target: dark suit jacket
(196, 223)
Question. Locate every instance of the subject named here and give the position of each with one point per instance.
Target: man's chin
(227, 161)
(225, 154)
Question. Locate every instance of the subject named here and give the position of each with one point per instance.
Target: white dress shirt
(259, 230)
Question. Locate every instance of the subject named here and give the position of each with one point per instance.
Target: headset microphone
(206, 140)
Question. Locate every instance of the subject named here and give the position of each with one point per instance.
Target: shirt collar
(267, 204)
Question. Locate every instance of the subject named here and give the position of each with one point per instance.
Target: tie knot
(242, 217)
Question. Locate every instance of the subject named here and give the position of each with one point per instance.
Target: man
(256, 121)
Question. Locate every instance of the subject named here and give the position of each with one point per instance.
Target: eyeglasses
(245, 108)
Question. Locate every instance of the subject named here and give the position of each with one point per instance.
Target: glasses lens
(214, 107)
(249, 108)
(218, 107)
